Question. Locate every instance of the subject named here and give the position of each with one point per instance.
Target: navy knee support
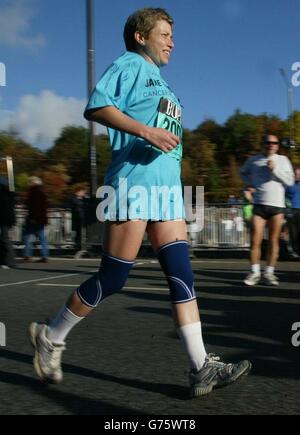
(110, 279)
(175, 261)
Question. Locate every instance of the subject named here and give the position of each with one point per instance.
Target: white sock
(62, 325)
(256, 269)
(191, 336)
(270, 269)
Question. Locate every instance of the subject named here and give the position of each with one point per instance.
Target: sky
(227, 56)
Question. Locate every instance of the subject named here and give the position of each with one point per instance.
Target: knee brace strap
(110, 279)
(175, 261)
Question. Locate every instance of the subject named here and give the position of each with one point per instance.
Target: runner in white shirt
(267, 175)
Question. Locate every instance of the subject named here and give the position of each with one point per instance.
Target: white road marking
(32, 281)
(161, 289)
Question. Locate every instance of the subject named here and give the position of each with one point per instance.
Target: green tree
(71, 149)
(26, 158)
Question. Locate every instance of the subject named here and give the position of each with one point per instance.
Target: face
(272, 145)
(298, 175)
(158, 46)
(81, 193)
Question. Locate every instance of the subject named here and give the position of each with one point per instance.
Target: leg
(9, 256)
(207, 372)
(169, 239)
(122, 243)
(258, 228)
(293, 224)
(27, 242)
(78, 233)
(259, 225)
(121, 240)
(162, 233)
(44, 242)
(275, 225)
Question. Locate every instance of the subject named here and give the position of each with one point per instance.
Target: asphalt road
(126, 359)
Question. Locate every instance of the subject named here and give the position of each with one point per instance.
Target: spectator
(7, 220)
(37, 219)
(293, 194)
(232, 200)
(267, 175)
(79, 214)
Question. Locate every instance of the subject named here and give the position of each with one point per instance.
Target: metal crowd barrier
(59, 229)
(224, 227)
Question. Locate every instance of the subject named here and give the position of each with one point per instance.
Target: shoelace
(216, 360)
(53, 355)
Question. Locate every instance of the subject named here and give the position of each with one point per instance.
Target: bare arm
(112, 117)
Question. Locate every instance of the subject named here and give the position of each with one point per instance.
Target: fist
(271, 165)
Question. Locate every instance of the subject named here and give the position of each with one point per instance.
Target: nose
(171, 43)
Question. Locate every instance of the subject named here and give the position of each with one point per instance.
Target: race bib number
(169, 118)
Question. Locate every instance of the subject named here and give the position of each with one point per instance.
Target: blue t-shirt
(136, 88)
(293, 194)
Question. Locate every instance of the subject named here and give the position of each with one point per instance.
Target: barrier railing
(224, 227)
(59, 229)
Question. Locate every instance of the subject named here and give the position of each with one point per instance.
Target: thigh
(124, 239)
(161, 233)
(258, 228)
(275, 225)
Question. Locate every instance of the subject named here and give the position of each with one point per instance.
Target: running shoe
(47, 359)
(252, 279)
(216, 374)
(271, 280)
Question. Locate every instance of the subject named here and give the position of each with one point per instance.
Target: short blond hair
(143, 21)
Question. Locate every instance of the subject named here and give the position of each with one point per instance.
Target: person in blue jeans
(7, 220)
(143, 117)
(37, 219)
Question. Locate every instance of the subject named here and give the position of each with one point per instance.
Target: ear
(140, 39)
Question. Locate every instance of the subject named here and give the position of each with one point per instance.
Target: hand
(162, 139)
(249, 194)
(271, 165)
(251, 190)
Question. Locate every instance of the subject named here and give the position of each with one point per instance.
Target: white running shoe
(253, 279)
(271, 280)
(47, 359)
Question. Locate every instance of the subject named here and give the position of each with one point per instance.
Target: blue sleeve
(290, 191)
(113, 88)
